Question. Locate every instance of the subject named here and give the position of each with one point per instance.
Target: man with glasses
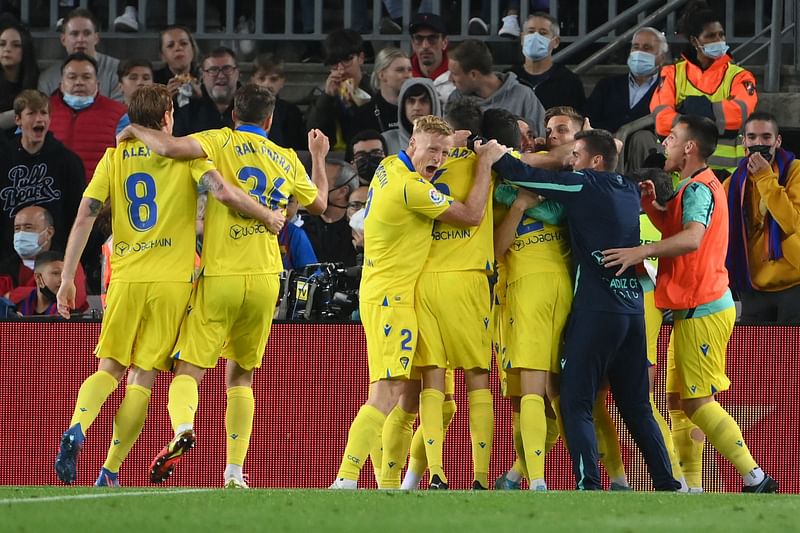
(213, 109)
(429, 43)
(365, 152)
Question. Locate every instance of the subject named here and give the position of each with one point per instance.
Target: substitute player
(401, 207)
(233, 303)
(153, 204)
(693, 282)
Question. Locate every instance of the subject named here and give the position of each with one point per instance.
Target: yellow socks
(481, 430)
(364, 431)
(417, 461)
(688, 440)
(430, 418)
(376, 457)
(724, 434)
(677, 473)
(552, 434)
(93, 393)
(608, 443)
(128, 424)
(519, 448)
(533, 427)
(397, 432)
(239, 413)
(182, 403)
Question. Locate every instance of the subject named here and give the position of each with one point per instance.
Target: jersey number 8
(140, 190)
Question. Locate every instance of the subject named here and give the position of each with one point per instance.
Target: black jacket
(325, 112)
(559, 86)
(201, 114)
(377, 115)
(608, 106)
(288, 128)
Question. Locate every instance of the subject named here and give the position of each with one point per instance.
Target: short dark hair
(600, 142)
(662, 180)
(473, 54)
(148, 106)
(364, 135)
(501, 124)
(253, 104)
(80, 13)
(695, 17)
(341, 44)
(79, 56)
(269, 64)
(763, 116)
(45, 258)
(220, 51)
(126, 65)
(465, 114)
(702, 131)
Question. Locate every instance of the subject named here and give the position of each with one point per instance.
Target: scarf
(737, 261)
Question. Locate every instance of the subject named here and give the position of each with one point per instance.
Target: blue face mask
(715, 50)
(26, 244)
(641, 63)
(536, 46)
(78, 102)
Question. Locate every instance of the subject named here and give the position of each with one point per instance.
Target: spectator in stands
(417, 99)
(288, 128)
(329, 232)
(553, 83)
(345, 90)
(471, 72)
(79, 35)
(527, 137)
(34, 235)
(133, 73)
(82, 118)
(392, 68)
(429, 58)
(213, 109)
(706, 82)
(355, 203)
(19, 68)
(763, 202)
(41, 299)
(365, 152)
(179, 52)
(36, 169)
(296, 248)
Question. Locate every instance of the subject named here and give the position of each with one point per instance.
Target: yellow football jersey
(398, 220)
(457, 248)
(537, 247)
(234, 244)
(153, 209)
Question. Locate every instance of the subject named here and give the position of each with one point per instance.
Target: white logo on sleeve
(436, 197)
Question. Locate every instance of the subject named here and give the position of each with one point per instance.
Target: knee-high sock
(688, 440)
(376, 457)
(481, 430)
(519, 466)
(608, 442)
(128, 424)
(677, 473)
(364, 431)
(239, 423)
(533, 427)
(182, 403)
(725, 435)
(93, 393)
(430, 418)
(552, 434)
(397, 432)
(418, 461)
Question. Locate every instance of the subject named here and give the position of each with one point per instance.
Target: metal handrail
(763, 45)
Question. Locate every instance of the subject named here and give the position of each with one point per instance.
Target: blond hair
(432, 124)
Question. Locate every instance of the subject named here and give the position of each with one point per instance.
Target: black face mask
(49, 295)
(366, 167)
(763, 149)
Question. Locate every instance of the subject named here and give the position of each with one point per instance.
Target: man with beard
(213, 109)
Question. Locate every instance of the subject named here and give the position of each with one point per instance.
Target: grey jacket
(397, 139)
(107, 80)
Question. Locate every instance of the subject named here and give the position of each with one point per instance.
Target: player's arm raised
(472, 210)
(318, 145)
(236, 199)
(84, 221)
(163, 143)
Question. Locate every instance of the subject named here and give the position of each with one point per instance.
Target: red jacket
(87, 132)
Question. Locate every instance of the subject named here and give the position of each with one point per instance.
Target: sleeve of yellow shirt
(199, 167)
(209, 140)
(422, 197)
(304, 189)
(100, 186)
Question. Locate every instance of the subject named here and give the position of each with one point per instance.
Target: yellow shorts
(392, 336)
(141, 323)
(455, 325)
(696, 359)
(230, 316)
(652, 325)
(537, 309)
(509, 383)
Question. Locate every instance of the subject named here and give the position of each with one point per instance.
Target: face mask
(536, 46)
(715, 50)
(49, 295)
(78, 102)
(641, 63)
(26, 243)
(763, 149)
(366, 167)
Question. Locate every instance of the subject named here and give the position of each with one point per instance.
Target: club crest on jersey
(436, 197)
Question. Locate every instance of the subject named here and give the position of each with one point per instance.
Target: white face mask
(26, 244)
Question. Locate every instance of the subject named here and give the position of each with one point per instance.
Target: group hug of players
(433, 235)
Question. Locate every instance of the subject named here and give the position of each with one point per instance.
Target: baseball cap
(427, 20)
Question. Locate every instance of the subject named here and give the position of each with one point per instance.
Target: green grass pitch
(33, 509)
